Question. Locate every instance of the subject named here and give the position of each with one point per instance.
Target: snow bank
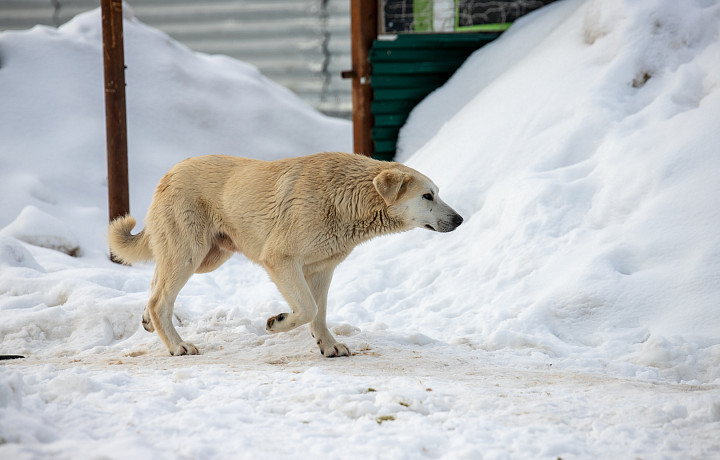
(586, 163)
(40, 229)
(14, 254)
(180, 104)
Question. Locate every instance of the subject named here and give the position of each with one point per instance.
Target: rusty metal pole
(115, 115)
(363, 31)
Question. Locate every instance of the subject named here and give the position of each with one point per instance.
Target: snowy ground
(574, 314)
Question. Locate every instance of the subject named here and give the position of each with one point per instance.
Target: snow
(41, 229)
(574, 314)
(594, 213)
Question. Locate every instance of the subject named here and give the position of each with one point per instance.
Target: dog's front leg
(319, 286)
(287, 275)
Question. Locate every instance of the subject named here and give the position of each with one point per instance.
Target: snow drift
(587, 159)
(179, 104)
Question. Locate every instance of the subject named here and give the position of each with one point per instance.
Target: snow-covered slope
(587, 161)
(179, 104)
(574, 313)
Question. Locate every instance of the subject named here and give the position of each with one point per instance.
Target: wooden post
(363, 31)
(115, 115)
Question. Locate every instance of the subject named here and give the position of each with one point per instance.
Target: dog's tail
(126, 246)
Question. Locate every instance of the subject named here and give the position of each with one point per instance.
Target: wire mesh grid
(427, 16)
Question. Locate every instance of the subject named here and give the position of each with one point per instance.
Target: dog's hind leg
(174, 267)
(161, 304)
(146, 321)
(287, 275)
(319, 285)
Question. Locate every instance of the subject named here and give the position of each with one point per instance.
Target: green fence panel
(406, 70)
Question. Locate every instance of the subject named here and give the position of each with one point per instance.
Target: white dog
(297, 217)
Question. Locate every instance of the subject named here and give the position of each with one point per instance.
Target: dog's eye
(428, 197)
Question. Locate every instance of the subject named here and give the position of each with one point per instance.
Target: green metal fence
(407, 69)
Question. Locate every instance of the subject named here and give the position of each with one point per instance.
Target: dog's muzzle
(449, 225)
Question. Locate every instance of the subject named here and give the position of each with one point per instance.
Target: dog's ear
(391, 184)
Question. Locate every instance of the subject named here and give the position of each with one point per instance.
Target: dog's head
(414, 198)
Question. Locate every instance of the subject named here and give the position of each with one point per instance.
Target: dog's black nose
(457, 220)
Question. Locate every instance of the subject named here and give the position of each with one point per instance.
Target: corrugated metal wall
(301, 44)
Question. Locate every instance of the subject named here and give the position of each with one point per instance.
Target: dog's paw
(335, 350)
(184, 348)
(147, 324)
(274, 322)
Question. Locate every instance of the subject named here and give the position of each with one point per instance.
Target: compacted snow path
(278, 398)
